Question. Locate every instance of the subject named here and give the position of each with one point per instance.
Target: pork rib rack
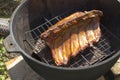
(73, 34)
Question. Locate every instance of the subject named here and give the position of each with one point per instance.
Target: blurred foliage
(3, 71)
(7, 7)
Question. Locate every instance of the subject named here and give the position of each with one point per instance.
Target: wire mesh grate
(92, 55)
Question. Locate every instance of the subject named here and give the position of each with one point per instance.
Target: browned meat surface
(73, 34)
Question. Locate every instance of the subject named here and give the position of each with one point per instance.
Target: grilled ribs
(73, 34)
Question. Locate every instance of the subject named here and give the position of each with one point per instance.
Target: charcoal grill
(33, 17)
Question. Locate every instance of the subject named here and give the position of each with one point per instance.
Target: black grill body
(32, 13)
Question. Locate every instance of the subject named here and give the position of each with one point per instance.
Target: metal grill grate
(95, 54)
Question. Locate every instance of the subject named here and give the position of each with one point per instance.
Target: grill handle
(4, 27)
(10, 45)
(8, 41)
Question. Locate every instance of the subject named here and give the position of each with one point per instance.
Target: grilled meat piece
(93, 31)
(73, 34)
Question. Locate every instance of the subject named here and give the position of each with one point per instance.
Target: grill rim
(116, 55)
